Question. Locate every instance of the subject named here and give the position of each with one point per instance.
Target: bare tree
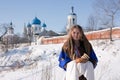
(64, 31)
(92, 23)
(25, 32)
(3, 30)
(108, 11)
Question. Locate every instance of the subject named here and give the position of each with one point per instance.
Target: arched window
(73, 21)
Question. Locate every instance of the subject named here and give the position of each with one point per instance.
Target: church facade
(34, 29)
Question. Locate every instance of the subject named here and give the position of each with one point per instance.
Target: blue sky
(53, 12)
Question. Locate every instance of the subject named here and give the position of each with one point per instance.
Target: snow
(40, 62)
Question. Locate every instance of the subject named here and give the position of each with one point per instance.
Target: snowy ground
(40, 62)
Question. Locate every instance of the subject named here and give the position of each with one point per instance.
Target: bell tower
(71, 19)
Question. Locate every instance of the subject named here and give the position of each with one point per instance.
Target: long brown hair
(69, 44)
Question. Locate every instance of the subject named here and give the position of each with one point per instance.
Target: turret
(72, 19)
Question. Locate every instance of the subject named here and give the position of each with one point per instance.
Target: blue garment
(93, 56)
(64, 59)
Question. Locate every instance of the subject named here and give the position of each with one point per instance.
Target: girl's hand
(81, 60)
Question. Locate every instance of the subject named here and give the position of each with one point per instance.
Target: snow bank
(40, 62)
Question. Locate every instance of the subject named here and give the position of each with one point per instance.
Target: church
(33, 30)
(36, 29)
(9, 35)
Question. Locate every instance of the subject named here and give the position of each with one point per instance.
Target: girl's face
(75, 34)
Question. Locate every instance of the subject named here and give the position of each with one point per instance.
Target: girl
(77, 57)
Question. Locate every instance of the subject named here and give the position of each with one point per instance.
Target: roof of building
(48, 33)
(28, 25)
(36, 21)
(44, 25)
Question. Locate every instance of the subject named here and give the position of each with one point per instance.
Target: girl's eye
(73, 32)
